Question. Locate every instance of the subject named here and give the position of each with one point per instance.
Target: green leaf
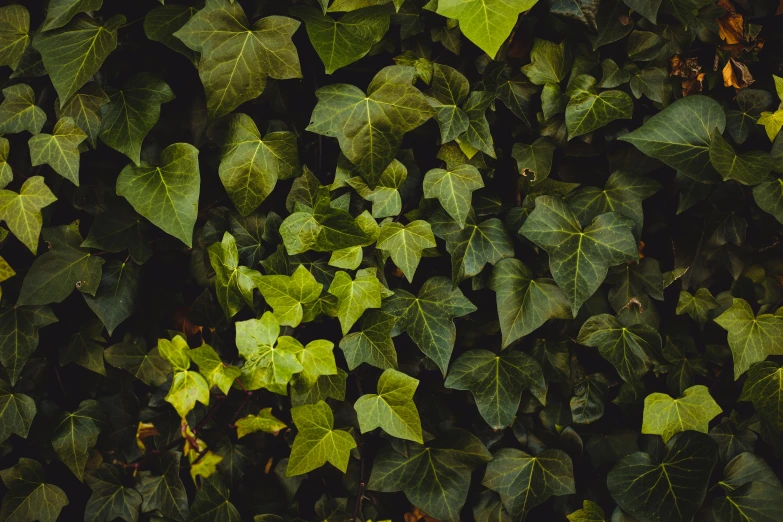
(352, 5)
(327, 386)
(449, 90)
(524, 304)
(525, 481)
(754, 502)
(534, 161)
(161, 23)
(454, 189)
(550, 63)
(175, 352)
(317, 441)
(165, 492)
(435, 478)
(73, 53)
(85, 348)
(732, 438)
(343, 41)
(680, 135)
(132, 112)
(373, 343)
(76, 434)
(632, 350)
(370, 127)
(497, 382)
(686, 363)
(474, 245)
(250, 166)
(317, 359)
(85, 109)
(428, 317)
(764, 388)
(697, 305)
(355, 296)
(270, 360)
(234, 284)
(59, 150)
(646, 8)
(19, 335)
(671, 487)
(117, 228)
(750, 168)
(18, 112)
(587, 402)
(405, 244)
(587, 110)
(769, 197)
(579, 258)
(187, 388)
(132, 355)
(22, 211)
(751, 338)
(772, 122)
(287, 294)
(14, 34)
(590, 512)
(237, 57)
(167, 194)
(584, 11)
(17, 412)
(115, 299)
(666, 416)
(486, 23)
(385, 197)
(6, 172)
(264, 422)
(110, 499)
(211, 503)
(392, 409)
(65, 267)
(29, 497)
(212, 368)
(478, 136)
(60, 12)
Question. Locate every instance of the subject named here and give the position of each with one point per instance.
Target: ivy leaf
(584, 11)
(166, 492)
(428, 317)
(73, 53)
(85, 348)
(287, 294)
(110, 499)
(680, 135)
(686, 363)
(623, 193)
(579, 258)
(768, 196)
(132, 355)
(22, 211)
(264, 422)
(632, 350)
(55, 274)
(587, 402)
(590, 512)
(115, 299)
(525, 481)
(237, 57)
(385, 197)
(535, 160)
(486, 23)
(132, 112)
(392, 409)
(697, 305)
(343, 41)
(250, 166)
(270, 360)
(234, 284)
(478, 136)
(326, 386)
(317, 441)
(18, 112)
(60, 12)
(649, 489)
(497, 382)
(19, 335)
(84, 108)
(187, 388)
(6, 172)
(175, 351)
(587, 110)
(211, 503)
(76, 434)
(317, 359)
(435, 477)
(118, 227)
(449, 90)
(550, 63)
(764, 388)
(370, 127)
(666, 416)
(454, 189)
(14, 34)
(373, 344)
(405, 243)
(646, 8)
(354, 297)
(755, 501)
(17, 412)
(751, 338)
(474, 245)
(161, 23)
(750, 168)
(212, 368)
(29, 497)
(167, 195)
(59, 150)
(524, 304)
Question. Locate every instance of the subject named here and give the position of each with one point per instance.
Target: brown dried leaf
(736, 74)
(732, 28)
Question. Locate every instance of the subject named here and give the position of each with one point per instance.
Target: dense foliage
(337, 260)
